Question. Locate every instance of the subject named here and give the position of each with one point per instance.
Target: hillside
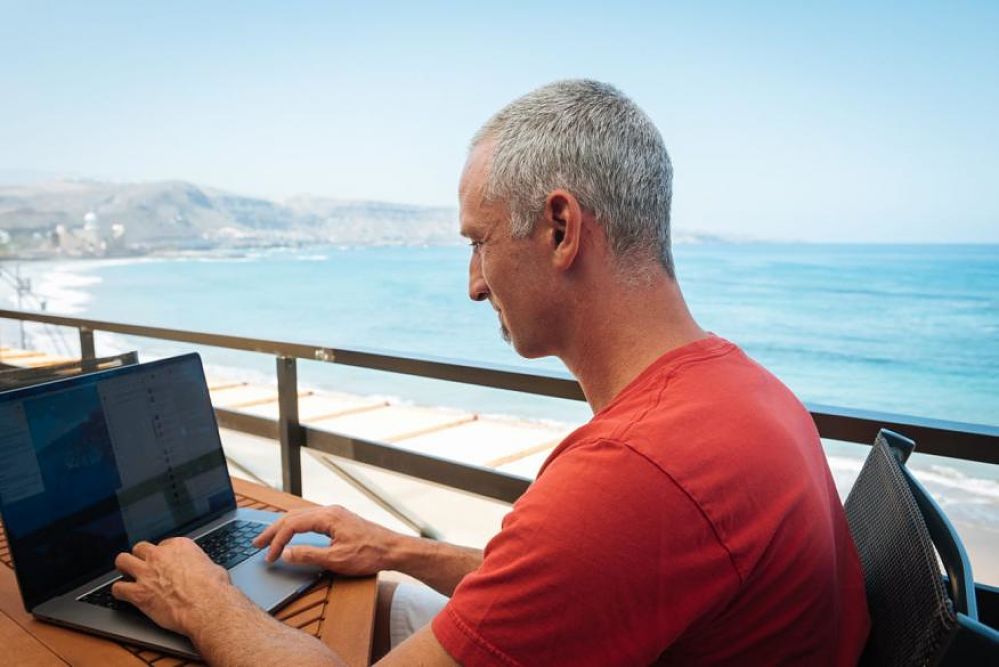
(92, 218)
(84, 218)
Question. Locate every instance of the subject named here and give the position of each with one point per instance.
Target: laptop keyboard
(228, 546)
(102, 598)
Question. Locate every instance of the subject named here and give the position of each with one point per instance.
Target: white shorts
(413, 606)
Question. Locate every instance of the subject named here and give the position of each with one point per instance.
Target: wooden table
(340, 613)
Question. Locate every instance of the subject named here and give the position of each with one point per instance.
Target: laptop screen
(93, 464)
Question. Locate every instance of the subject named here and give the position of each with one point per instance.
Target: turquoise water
(909, 329)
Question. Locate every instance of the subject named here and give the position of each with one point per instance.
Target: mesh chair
(918, 617)
(13, 378)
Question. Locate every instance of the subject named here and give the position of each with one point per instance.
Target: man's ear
(564, 221)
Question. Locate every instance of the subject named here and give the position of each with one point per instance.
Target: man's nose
(477, 288)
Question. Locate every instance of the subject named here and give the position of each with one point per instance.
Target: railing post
(87, 352)
(289, 430)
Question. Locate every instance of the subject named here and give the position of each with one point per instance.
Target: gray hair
(590, 139)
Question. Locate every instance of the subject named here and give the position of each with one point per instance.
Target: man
(692, 520)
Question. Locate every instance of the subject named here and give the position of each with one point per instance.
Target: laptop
(92, 464)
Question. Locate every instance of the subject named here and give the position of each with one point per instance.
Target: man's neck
(623, 333)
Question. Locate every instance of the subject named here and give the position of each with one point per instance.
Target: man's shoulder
(706, 396)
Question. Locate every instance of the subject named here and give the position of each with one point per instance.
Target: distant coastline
(86, 219)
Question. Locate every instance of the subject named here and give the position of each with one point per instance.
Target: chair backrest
(22, 377)
(899, 529)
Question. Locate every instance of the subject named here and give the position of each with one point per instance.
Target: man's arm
(359, 547)
(177, 586)
(237, 632)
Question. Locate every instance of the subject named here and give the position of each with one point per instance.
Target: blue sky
(860, 122)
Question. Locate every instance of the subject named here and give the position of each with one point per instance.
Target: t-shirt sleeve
(604, 560)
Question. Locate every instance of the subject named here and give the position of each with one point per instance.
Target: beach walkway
(518, 447)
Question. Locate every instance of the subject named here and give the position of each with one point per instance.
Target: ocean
(904, 329)
(907, 329)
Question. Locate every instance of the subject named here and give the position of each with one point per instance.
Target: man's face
(502, 269)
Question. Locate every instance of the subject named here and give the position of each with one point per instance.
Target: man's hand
(180, 588)
(357, 547)
(173, 582)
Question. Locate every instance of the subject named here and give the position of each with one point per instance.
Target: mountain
(87, 218)
(94, 218)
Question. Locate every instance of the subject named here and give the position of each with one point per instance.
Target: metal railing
(973, 442)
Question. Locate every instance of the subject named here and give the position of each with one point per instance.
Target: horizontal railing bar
(486, 375)
(244, 423)
(960, 440)
(495, 376)
(275, 348)
(473, 479)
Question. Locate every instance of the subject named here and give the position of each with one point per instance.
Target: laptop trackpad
(270, 585)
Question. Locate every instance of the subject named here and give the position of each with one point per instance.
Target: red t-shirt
(692, 520)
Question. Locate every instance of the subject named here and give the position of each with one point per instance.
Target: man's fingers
(283, 535)
(292, 524)
(177, 540)
(265, 537)
(142, 549)
(303, 555)
(128, 564)
(270, 531)
(125, 590)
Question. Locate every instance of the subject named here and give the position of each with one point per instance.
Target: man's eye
(475, 245)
